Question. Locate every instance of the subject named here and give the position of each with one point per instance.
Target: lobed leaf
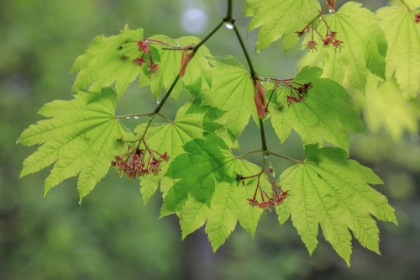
(331, 191)
(403, 36)
(363, 49)
(81, 138)
(228, 205)
(279, 19)
(232, 91)
(108, 60)
(324, 114)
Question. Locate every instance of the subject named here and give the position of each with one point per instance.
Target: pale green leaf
(383, 107)
(279, 19)
(232, 91)
(81, 138)
(324, 114)
(108, 60)
(403, 57)
(362, 51)
(331, 191)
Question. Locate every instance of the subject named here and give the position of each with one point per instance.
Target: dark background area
(112, 235)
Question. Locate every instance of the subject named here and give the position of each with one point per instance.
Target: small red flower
(311, 45)
(140, 61)
(143, 46)
(154, 68)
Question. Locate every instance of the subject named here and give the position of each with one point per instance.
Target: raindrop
(262, 82)
(229, 25)
(136, 117)
(128, 118)
(331, 11)
(80, 203)
(266, 155)
(158, 102)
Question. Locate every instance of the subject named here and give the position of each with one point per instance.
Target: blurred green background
(112, 235)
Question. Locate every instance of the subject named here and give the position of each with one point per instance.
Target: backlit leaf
(81, 138)
(331, 191)
(279, 19)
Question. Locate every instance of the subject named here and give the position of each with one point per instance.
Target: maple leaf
(228, 204)
(332, 191)
(403, 36)
(324, 114)
(363, 49)
(81, 138)
(108, 60)
(232, 91)
(279, 19)
(191, 122)
(394, 119)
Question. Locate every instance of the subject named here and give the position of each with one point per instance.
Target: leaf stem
(248, 153)
(284, 157)
(405, 4)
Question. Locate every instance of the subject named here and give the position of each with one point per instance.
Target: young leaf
(332, 191)
(324, 114)
(232, 91)
(279, 18)
(198, 168)
(81, 138)
(187, 126)
(384, 99)
(363, 46)
(403, 35)
(108, 60)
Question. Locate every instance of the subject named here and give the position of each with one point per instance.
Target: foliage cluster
(191, 158)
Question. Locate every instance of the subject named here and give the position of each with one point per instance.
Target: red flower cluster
(330, 39)
(417, 18)
(266, 202)
(301, 93)
(144, 49)
(139, 162)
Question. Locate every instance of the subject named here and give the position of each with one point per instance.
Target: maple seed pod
(186, 57)
(331, 5)
(259, 97)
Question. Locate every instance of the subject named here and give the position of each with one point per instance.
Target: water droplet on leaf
(229, 25)
(128, 118)
(158, 102)
(331, 11)
(266, 155)
(136, 117)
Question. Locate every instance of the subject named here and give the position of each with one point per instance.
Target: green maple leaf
(331, 191)
(108, 60)
(383, 98)
(324, 114)
(191, 122)
(363, 49)
(403, 35)
(279, 19)
(232, 91)
(81, 138)
(228, 205)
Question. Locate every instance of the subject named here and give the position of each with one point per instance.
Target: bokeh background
(112, 235)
